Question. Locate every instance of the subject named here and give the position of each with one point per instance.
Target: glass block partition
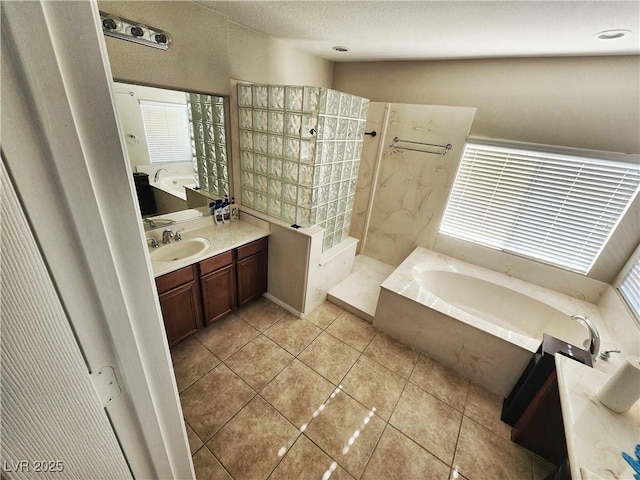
(208, 143)
(300, 152)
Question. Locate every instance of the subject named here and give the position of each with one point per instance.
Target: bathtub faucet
(594, 336)
(157, 175)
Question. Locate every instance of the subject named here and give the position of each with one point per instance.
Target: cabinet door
(541, 428)
(252, 277)
(218, 294)
(181, 312)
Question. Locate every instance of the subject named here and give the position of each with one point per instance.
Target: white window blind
(166, 126)
(554, 207)
(630, 287)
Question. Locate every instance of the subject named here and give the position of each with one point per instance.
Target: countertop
(595, 435)
(222, 238)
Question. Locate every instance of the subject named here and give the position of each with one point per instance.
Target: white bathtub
(481, 323)
(174, 184)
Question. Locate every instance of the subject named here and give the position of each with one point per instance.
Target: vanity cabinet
(252, 270)
(196, 296)
(179, 295)
(217, 282)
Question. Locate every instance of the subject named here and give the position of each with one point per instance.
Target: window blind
(554, 207)
(166, 126)
(630, 287)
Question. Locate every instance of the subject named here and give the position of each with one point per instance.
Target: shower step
(358, 293)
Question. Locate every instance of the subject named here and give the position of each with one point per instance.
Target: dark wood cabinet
(218, 285)
(179, 295)
(196, 296)
(540, 428)
(252, 270)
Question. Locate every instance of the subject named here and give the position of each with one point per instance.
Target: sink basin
(180, 250)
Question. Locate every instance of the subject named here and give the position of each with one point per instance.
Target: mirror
(176, 143)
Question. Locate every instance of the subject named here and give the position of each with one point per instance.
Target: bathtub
(174, 184)
(481, 323)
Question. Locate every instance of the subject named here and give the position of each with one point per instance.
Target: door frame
(64, 151)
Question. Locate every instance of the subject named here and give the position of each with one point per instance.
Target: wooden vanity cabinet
(196, 296)
(218, 285)
(251, 268)
(179, 294)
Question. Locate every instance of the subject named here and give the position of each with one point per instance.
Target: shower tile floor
(268, 396)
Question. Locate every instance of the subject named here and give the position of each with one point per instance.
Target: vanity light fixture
(131, 31)
(612, 34)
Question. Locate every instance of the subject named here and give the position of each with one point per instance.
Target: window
(558, 207)
(166, 126)
(630, 287)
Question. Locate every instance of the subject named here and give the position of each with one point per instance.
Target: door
(52, 419)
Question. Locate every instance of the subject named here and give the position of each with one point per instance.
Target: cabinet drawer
(174, 279)
(214, 263)
(251, 248)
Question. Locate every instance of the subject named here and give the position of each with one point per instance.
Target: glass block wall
(300, 152)
(208, 143)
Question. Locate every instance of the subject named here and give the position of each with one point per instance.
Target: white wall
(258, 58)
(197, 61)
(585, 102)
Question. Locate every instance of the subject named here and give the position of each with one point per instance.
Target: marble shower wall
(410, 188)
(300, 149)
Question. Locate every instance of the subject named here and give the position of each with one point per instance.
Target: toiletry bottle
(234, 212)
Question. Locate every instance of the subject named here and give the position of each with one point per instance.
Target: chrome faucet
(166, 236)
(178, 235)
(157, 175)
(607, 353)
(154, 242)
(593, 343)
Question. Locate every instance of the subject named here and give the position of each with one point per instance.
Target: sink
(180, 250)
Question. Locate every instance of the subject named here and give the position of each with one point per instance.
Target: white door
(52, 418)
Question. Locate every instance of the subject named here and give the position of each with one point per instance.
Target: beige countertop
(221, 238)
(595, 435)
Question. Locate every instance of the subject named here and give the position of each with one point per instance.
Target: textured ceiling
(396, 30)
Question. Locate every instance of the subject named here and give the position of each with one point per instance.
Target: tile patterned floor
(268, 396)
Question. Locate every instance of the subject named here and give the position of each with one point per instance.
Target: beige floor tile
(392, 354)
(194, 440)
(330, 357)
(261, 313)
(297, 392)
(345, 421)
(352, 330)
(454, 474)
(541, 468)
(226, 336)
(293, 334)
(485, 407)
(305, 461)
(374, 386)
(248, 445)
(259, 361)
(482, 454)
(441, 382)
(210, 402)
(398, 458)
(324, 315)
(208, 467)
(190, 362)
(432, 424)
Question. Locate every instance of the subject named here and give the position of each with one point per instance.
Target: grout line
(455, 450)
(219, 461)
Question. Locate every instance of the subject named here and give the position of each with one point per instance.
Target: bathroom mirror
(176, 142)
